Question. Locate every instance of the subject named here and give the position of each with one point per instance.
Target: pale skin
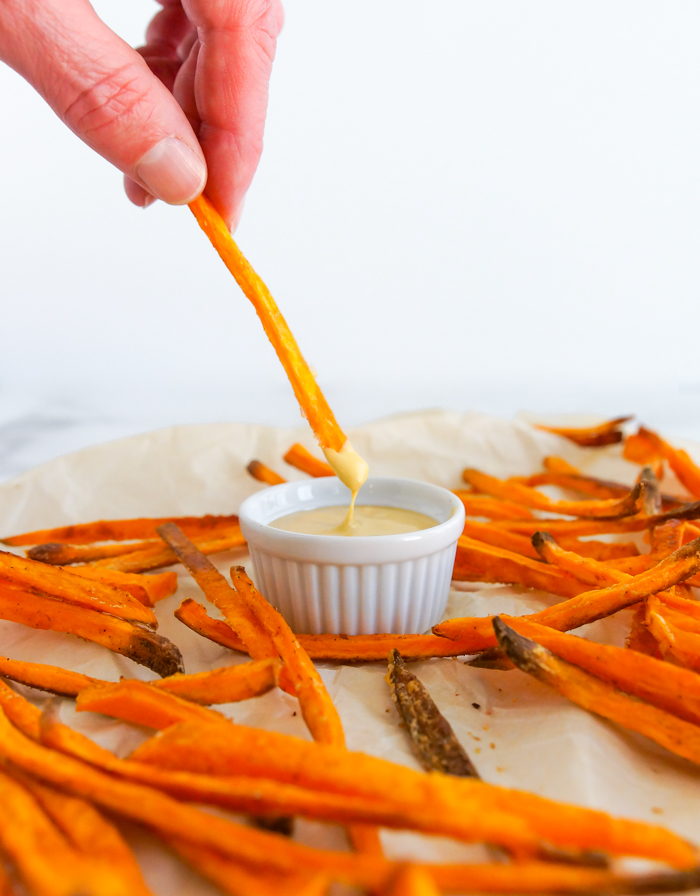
(185, 110)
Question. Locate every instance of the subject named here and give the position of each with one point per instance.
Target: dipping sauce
(367, 520)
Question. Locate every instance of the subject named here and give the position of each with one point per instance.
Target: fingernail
(148, 200)
(172, 171)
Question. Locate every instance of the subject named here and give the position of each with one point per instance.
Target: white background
(477, 205)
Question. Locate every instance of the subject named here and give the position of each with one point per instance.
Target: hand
(193, 98)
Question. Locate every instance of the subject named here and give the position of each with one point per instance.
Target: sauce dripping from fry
(352, 470)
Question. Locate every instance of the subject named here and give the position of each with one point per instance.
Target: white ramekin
(360, 585)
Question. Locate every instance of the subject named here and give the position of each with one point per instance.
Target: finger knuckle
(107, 101)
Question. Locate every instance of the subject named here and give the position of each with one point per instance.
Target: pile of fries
(601, 547)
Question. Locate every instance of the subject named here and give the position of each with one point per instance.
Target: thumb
(104, 91)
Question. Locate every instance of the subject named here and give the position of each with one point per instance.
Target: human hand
(193, 98)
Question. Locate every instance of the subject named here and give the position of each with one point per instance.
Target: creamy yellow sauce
(352, 470)
(368, 520)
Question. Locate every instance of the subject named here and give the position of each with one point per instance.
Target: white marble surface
(35, 429)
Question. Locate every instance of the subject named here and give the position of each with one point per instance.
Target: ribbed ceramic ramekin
(359, 585)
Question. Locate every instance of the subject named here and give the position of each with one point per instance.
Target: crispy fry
(517, 544)
(687, 472)
(591, 693)
(87, 831)
(640, 639)
(599, 527)
(228, 684)
(610, 508)
(233, 749)
(66, 586)
(592, 605)
(122, 530)
(478, 562)
(57, 554)
(412, 880)
(45, 861)
(640, 450)
(303, 460)
(140, 645)
(24, 715)
(608, 433)
(46, 678)
(338, 648)
(585, 569)
(138, 702)
(316, 706)
(310, 398)
(158, 555)
(663, 685)
(491, 508)
(432, 736)
(600, 550)
(681, 646)
(264, 474)
(164, 814)
(238, 614)
(147, 589)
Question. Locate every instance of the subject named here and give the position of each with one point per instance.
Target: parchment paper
(518, 733)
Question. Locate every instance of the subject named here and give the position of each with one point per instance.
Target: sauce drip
(352, 470)
(368, 520)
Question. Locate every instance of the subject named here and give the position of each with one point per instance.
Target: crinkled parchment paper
(518, 733)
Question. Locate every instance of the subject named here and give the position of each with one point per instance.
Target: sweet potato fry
(158, 555)
(608, 433)
(45, 861)
(412, 880)
(228, 684)
(140, 645)
(478, 562)
(264, 474)
(491, 508)
(433, 739)
(517, 544)
(67, 587)
(687, 472)
(610, 508)
(585, 569)
(238, 614)
(46, 678)
(146, 589)
(24, 715)
(233, 749)
(122, 530)
(599, 550)
(164, 814)
(640, 639)
(57, 554)
(663, 685)
(311, 400)
(340, 648)
(303, 460)
(88, 832)
(138, 702)
(683, 647)
(639, 450)
(582, 527)
(591, 693)
(592, 605)
(316, 706)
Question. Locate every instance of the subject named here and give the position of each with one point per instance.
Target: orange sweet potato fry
(591, 693)
(122, 530)
(228, 684)
(608, 433)
(479, 562)
(517, 544)
(686, 470)
(661, 684)
(57, 554)
(46, 678)
(138, 702)
(303, 460)
(639, 450)
(139, 644)
(68, 587)
(146, 589)
(264, 474)
(24, 715)
(342, 648)
(311, 400)
(610, 508)
(640, 639)
(157, 555)
(412, 880)
(87, 831)
(599, 550)
(585, 569)
(317, 708)
(234, 749)
(491, 508)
